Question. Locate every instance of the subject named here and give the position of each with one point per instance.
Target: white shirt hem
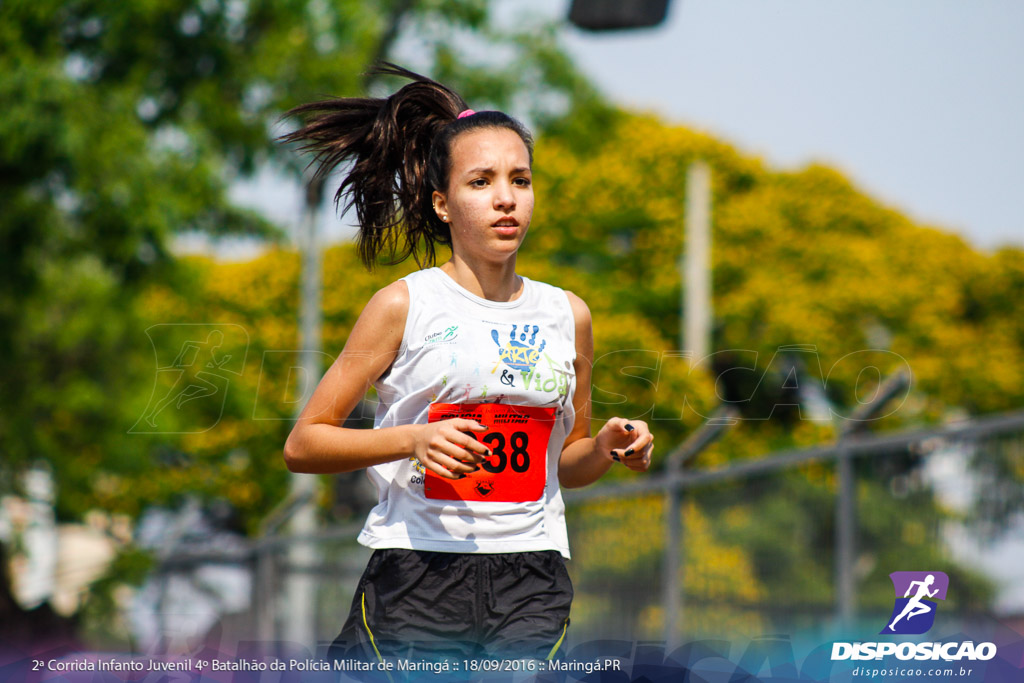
(474, 546)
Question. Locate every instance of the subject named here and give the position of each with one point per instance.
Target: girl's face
(489, 202)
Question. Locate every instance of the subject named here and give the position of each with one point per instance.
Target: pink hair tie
(465, 113)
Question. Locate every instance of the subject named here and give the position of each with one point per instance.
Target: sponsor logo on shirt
(449, 334)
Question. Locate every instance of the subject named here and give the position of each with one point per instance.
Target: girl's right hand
(445, 448)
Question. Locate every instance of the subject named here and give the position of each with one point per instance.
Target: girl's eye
(479, 182)
(522, 182)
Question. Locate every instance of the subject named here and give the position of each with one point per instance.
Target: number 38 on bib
(518, 437)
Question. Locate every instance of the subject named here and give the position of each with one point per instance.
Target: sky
(919, 102)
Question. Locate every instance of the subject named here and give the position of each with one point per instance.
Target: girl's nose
(504, 200)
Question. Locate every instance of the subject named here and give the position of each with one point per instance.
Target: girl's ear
(440, 203)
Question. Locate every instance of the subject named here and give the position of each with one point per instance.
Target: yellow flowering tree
(800, 259)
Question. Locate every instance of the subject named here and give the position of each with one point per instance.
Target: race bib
(518, 438)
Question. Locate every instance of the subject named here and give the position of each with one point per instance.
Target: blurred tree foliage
(802, 260)
(123, 125)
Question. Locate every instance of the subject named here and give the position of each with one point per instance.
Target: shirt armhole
(404, 344)
(571, 322)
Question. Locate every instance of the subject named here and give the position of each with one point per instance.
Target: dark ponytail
(400, 148)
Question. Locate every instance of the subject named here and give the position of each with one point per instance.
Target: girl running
(483, 378)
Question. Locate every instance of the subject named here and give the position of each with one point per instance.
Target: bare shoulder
(390, 302)
(382, 321)
(580, 310)
(584, 326)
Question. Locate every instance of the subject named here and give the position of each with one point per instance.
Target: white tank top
(459, 348)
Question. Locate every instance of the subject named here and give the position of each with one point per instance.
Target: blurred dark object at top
(611, 15)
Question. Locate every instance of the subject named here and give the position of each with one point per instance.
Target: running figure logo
(198, 376)
(914, 613)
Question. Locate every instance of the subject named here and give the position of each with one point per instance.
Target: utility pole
(696, 264)
(300, 591)
(300, 587)
(695, 339)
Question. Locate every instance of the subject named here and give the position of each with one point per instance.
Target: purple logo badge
(914, 612)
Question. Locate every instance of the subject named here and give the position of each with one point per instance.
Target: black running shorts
(415, 604)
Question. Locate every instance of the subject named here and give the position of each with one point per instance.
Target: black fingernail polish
(629, 427)
(615, 458)
(628, 453)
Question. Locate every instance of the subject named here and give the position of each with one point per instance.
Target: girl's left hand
(627, 441)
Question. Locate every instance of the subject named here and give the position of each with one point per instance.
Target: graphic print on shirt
(519, 355)
(559, 380)
(446, 336)
(419, 471)
(522, 356)
(520, 362)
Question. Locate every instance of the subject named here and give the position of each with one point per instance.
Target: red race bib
(518, 438)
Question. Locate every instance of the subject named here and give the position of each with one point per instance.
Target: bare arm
(585, 459)
(318, 445)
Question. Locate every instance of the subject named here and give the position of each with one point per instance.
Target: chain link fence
(757, 543)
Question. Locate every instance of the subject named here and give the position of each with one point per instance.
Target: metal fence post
(846, 508)
(712, 430)
(264, 595)
(673, 584)
(846, 496)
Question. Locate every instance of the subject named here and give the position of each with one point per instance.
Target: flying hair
(399, 149)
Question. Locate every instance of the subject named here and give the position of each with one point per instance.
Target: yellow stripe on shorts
(565, 628)
(372, 641)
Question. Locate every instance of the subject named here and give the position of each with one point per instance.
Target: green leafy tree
(799, 257)
(123, 126)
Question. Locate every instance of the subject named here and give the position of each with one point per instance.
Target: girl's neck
(491, 281)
